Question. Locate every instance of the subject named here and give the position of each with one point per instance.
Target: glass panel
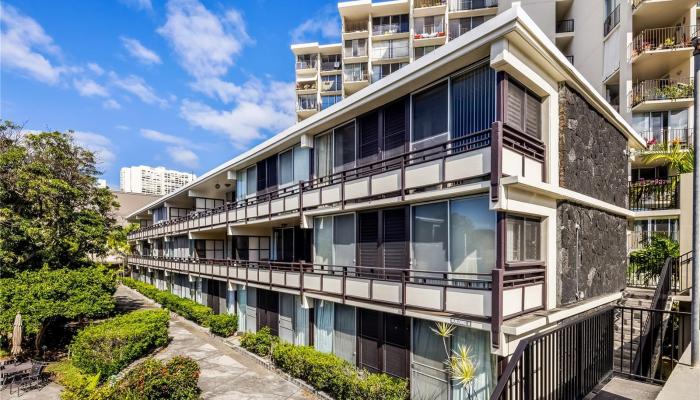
(286, 167)
(344, 341)
(323, 242)
(472, 235)
(344, 147)
(241, 186)
(301, 164)
(430, 237)
(324, 155)
(323, 335)
(344, 240)
(428, 377)
(532, 240)
(430, 112)
(252, 180)
(514, 234)
(478, 342)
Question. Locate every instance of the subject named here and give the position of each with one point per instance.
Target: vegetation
(326, 372)
(47, 296)
(52, 212)
(77, 385)
(106, 348)
(679, 159)
(648, 261)
(459, 364)
(223, 325)
(184, 307)
(155, 380)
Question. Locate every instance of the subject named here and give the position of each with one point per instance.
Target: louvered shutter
(396, 345)
(514, 106)
(370, 350)
(395, 238)
(368, 243)
(394, 129)
(262, 176)
(532, 116)
(369, 138)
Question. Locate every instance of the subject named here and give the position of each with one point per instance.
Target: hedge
(106, 348)
(326, 372)
(77, 385)
(155, 380)
(185, 307)
(223, 325)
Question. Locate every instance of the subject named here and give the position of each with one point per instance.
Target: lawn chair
(33, 378)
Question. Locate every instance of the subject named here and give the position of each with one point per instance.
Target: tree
(648, 261)
(48, 295)
(680, 160)
(51, 211)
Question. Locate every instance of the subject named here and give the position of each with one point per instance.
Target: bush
(76, 384)
(155, 380)
(185, 307)
(259, 342)
(648, 261)
(324, 371)
(224, 325)
(106, 348)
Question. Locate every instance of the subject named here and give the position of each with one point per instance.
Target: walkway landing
(623, 389)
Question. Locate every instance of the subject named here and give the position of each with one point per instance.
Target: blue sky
(186, 84)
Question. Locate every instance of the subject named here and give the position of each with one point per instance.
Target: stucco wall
(602, 248)
(592, 153)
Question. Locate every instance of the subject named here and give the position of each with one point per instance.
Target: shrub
(185, 307)
(155, 380)
(106, 348)
(76, 384)
(223, 325)
(649, 260)
(259, 342)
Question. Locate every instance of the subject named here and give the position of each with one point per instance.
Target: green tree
(680, 160)
(648, 261)
(49, 295)
(51, 211)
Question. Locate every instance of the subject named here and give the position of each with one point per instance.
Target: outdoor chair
(33, 378)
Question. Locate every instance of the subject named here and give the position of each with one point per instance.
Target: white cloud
(111, 104)
(140, 52)
(98, 144)
(163, 137)
(25, 46)
(205, 43)
(138, 87)
(260, 108)
(139, 4)
(89, 88)
(324, 25)
(95, 68)
(183, 156)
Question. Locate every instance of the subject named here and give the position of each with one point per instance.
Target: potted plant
(669, 42)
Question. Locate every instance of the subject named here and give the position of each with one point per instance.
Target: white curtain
(230, 301)
(429, 380)
(286, 317)
(323, 334)
(198, 291)
(251, 324)
(301, 323)
(479, 344)
(344, 342)
(241, 306)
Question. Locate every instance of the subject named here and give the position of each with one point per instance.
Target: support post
(695, 290)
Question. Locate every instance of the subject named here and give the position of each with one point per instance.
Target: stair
(628, 327)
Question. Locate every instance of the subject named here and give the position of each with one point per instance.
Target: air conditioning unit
(336, 64)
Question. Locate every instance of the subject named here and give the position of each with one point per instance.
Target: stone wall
(592, 153)
(603, 249)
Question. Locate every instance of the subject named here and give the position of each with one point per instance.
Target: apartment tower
(153, 181)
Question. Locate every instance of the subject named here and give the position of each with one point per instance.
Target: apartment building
(153, 181)
(484, 185)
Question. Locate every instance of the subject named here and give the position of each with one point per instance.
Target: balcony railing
(305, 64)
(355, 76)
(307, 105)
(310, 85)
(668, 38)
(355, 26)
(355, 52)
(385, 29)
(331, 66)
(639, 239)
(657, 194)
(611, 21)
(570, 58)
(465, 5)
(661, 89)
(428, 290)
(565, 26)
(429, 31)
(666, 138)
(388, 53)
(428, 3)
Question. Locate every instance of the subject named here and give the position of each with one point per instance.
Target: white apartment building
(154, 181)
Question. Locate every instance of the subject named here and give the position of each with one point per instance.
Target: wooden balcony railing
(661, 89)
(657, 194)
(668, 38)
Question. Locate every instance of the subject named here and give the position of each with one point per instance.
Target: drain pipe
(695, 291)
(577, 264)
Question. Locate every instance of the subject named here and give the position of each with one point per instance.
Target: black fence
(654, 194)
(679, 275)
(565, 26)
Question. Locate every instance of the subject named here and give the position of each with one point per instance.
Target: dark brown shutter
(514, 106)
(395, 235)
(369, 340)
(368, 241)
(369, 138)
(262, 176)
(272, 171)
(394, 129)
(396, 345)
(532, 116)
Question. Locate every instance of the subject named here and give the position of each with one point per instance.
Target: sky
(185, 84)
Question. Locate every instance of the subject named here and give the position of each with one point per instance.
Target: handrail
(666, 38)
(657, 194)
(564, 26)
(661, 89)
(611, 21)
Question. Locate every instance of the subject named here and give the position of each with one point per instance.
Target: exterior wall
(592, 153)
(602, 249)
(686, 220)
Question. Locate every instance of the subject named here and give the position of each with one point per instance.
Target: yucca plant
(458, 363)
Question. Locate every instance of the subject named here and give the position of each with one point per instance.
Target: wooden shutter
(369, 340)
(369, 138)
(532, 116)
(395, 238)
(396, 345)
(262, 176)
(368, 241)
(514, 106)
(394, 129)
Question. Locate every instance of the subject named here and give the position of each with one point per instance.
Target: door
(384, 342)
(268, 310)
(396, 345)
(369, 339)
(368, 243)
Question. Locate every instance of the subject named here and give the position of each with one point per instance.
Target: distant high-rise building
(148, 180)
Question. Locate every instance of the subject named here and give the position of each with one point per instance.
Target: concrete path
(624, 389)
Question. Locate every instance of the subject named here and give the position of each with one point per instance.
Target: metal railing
(611, 21)
(384, 29)
(680, 274)
(428, 3)
(570, 59)
(565, 26)
(637, 3)
(664, 139)
(355, 26)
(657, 194)
(661, 89)
(307, 104)
(355, 52)
(465, 5)
(305, 64)
(309, 85)
(429, 31)
(355, 76)
(331, 65)
(671, 37)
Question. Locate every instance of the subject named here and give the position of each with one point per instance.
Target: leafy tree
(649, 260)
(680, 160)
(49, 295)
(51, 211)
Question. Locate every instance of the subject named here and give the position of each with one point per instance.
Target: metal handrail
(667, 38)
(611, 21)
(465, 5)
(657, 194)
(661, 89)
(565, 26)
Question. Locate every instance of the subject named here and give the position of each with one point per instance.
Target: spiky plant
(461, 367)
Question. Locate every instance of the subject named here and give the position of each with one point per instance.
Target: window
(461, 26)
(176, 212)
(390, 49)
(430, 112)
(251, 248)
(355, 72)
(419, 52)
(334, 240)
(323, 240)
(160, 214)
(430, 237)
(202, 204)
(344, 147)
(522, 239)
(427, 27)
(241, 186)
(356, 48)
(331, 83)
(382, 70)
(331, 62)
(293, 166)
(301, 164)
(472, 235)
(306, 102)
(473, 105)
(251, 181)
(286, 166)
(327, 101)
(323, 164)
(209, 249)
(390, 24)
(523, 110)
(305, 61)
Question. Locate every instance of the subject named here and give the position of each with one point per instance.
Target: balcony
(389, 29)
(355, 52)
(428, 3)
(564, 32)
(662, 94)
(305, 65)
(468, 5)
(456, 293)
(656, 51)
(355, 26)
(653, 195)
(649, 13)
(306, 86)
(611, 21)
(662, 139)
(436, 32)
(571, 60)
(330, 66)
